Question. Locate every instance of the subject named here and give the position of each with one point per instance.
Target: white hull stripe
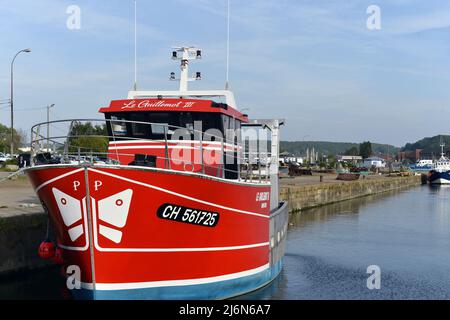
(169, 142)
(179, 194)
(188, 173)
(172, 283)
(163, 147)
(250, 246)
(57, 178)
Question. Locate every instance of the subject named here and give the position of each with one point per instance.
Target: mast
(442, 144)
(185, 54)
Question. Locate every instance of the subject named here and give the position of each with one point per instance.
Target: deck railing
(106, 141)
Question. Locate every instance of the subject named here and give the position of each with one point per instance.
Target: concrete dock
(305, 192)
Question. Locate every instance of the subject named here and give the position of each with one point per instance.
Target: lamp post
(48, 125)
(12, 98)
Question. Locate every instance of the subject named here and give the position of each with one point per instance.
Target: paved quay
(305, 192)
(326, 178)
(17, 196)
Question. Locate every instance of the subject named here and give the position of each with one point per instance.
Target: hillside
(430, 145)
(331, 148)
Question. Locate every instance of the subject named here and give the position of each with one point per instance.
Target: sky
(314, 63)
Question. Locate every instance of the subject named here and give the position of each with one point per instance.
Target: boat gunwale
(149, 169)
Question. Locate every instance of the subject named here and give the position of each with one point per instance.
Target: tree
(332, 161)
(88, 138)
(365, 149)
(353, 151)
(5, 138)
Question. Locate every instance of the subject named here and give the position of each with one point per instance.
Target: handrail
(245, 159)
(126, 121)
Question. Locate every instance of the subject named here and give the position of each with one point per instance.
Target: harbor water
(405, 233)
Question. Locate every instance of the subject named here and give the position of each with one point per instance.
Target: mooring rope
(9, 177)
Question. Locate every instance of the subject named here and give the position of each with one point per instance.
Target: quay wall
(20, 236)
(301, 197)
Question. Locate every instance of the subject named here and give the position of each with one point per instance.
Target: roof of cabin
(173, 105)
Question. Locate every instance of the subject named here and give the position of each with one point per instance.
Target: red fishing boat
(165, 198)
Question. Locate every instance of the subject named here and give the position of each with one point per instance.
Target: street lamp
(12, 98)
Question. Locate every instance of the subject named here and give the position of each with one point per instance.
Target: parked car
(3, 158)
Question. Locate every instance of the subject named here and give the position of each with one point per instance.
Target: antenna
(135, 45)
(228, 46)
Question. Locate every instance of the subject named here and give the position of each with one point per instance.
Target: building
(286, 157)
(349, 159)
(411, 156)
(376, 162)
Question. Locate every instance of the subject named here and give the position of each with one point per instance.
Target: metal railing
(95, 141)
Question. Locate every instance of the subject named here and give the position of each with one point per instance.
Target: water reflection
(40, 284)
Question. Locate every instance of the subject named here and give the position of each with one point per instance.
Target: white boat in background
(422, 165)
(440, 173)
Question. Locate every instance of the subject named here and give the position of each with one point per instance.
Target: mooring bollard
(321, 178)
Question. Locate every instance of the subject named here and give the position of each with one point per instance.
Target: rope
(9, 177)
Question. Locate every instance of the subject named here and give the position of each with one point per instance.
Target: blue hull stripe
(208, 291)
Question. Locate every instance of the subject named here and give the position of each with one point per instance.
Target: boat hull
(436, 177)
(145, 233)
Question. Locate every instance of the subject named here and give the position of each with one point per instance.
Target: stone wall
(20, 236)
(309, 196)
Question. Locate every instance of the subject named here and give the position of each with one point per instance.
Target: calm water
(407, 234)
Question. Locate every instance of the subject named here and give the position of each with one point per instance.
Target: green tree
(353, 151)
(5, 138)
(365, 149)
(88, 138)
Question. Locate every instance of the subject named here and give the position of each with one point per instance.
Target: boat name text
(158, 104)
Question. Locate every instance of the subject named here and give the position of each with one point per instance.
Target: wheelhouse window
(138, 129)
(118, 127)
(156, 123)
(160, 124)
